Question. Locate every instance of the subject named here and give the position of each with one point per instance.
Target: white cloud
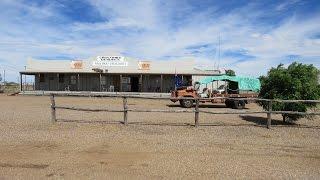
(152, 30)
(286, 4)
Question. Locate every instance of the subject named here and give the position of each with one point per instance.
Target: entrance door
(134, 84)
(52, 83)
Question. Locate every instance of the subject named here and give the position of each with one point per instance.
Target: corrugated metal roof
(154, 67)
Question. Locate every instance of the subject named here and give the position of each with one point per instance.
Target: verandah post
(269, 114)
(78, 82)
(58, 84)
(125, 111)
(196, 114)
(21, 88)
(100, 82)
(53, 108)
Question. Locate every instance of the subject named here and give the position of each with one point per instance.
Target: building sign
(77, 64)
(107, 61)
(144, 65)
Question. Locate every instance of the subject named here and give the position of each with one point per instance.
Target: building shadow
(140, 123)
(173, 124)
(121, 122)
(88, 121)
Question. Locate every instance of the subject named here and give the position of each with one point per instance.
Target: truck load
(235, 87)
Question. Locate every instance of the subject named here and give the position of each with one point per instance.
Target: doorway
(52, 83)
(134, 84)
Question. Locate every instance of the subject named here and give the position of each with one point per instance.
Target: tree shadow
(229, 125)
(259, 122)
(208, 105)
(161, 124)
(263, 120)
(201, 105)
(274, 122)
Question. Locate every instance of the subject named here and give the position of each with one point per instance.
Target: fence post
(125, 111)
(196, 114)
(269, 114)
(53, 108)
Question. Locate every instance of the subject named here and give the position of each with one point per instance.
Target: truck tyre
(228, 103)
(243, 104)
(181, 103)
(238, 104)
(187, 103)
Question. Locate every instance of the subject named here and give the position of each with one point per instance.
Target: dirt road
(85, 145)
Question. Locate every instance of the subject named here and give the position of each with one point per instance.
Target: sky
(251, 36)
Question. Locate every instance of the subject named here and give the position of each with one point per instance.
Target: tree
(230, 72)
(298, 81)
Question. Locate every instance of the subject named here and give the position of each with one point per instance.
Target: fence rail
(196, 109)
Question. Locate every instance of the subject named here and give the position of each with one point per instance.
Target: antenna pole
(219, 54)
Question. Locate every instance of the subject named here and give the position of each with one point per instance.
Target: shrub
(298, 81)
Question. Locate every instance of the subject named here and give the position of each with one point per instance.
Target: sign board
(77, 64)
(109, 61)
(144, 65)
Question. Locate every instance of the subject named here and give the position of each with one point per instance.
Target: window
(61, 78)
(73, 79)
(41, 78)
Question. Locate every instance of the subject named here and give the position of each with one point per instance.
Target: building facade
(113, 74)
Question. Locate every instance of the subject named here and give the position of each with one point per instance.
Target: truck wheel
(187, 103)
(238, 104)
(243, 104)
(228, 103)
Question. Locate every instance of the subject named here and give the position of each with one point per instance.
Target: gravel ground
(85, 145)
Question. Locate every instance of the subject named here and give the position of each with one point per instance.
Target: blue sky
(254, 35)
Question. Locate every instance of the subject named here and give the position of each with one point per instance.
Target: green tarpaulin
(245, 83)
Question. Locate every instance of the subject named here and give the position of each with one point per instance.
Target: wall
(91, 82)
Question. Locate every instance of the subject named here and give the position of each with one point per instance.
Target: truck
(237, 88)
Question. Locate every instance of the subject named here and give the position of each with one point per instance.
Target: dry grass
(153, 146)
(10, 89)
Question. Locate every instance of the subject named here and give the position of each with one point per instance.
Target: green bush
(298, 81)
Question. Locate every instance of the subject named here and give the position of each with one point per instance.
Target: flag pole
(175, 78)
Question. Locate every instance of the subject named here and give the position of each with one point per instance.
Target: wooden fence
(196, 109)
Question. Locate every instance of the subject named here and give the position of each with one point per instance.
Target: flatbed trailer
(245, 87)
(230, 103)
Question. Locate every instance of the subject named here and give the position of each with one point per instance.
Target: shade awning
(244, 82)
